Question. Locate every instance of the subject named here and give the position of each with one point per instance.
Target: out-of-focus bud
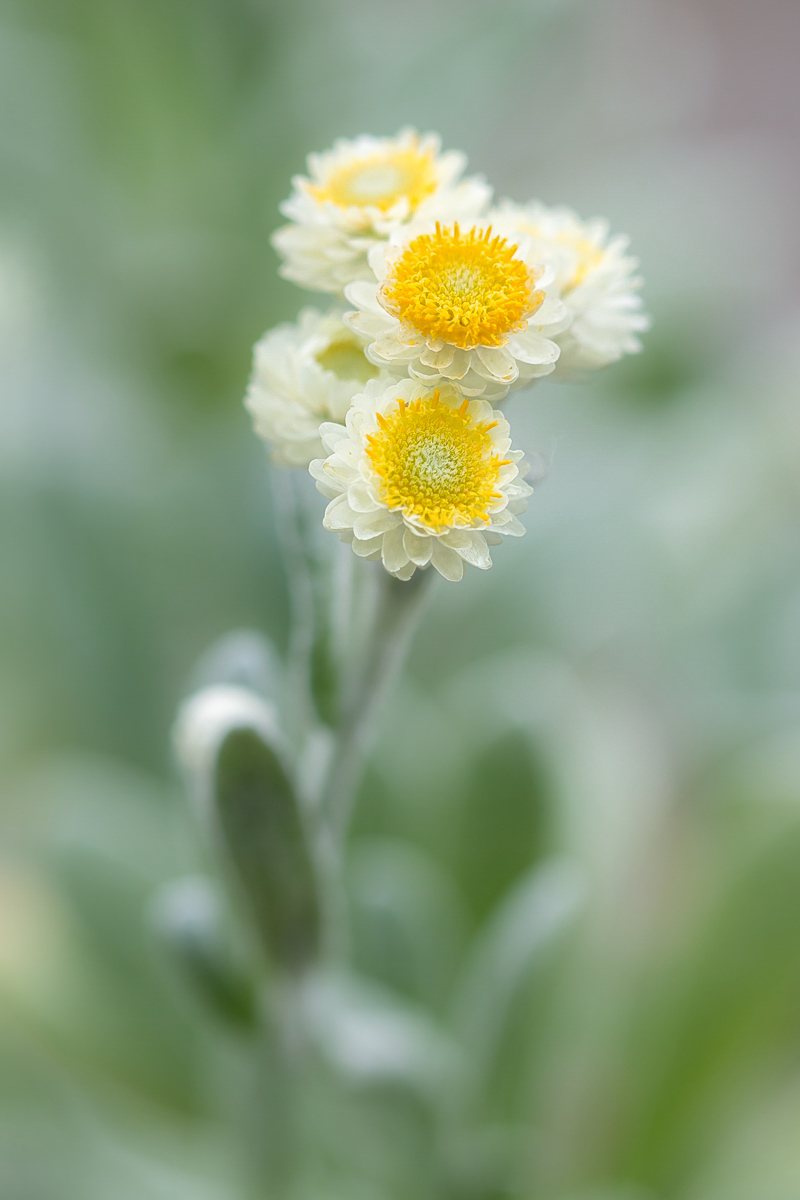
(229, 744)
(206, 718)
(243, 658)
(186, 914)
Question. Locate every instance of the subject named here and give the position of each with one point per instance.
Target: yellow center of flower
(380, 180)
(467, 289)
(435, 463)
(588, 256)
(580, 256)
(346, 359)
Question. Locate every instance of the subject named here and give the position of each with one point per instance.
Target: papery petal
(393, 552)
(417, 547)
(339, 515)
(371, 524)
(470, 545)
(447, 562)
(498, 362)
(405, 572)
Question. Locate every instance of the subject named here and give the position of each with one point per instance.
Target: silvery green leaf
(537, 910)
(370, 1036)
(261, 824)
(409, 924)
(235, 757)
(186, 914)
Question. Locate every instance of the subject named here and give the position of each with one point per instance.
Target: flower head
(304, 373)
(466, 305)
(595, 276)
(358, 193)
(419, 476)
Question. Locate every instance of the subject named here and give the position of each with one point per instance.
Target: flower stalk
(398, 609)
(391, 407)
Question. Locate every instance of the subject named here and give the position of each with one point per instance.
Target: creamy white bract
(459, 304)
(361, 191)
(420, 476)
(304, 373)
(595, 276)
(389, 403)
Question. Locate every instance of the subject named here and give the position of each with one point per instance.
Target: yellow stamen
(435, 463)
(380, 180)
(465, 289)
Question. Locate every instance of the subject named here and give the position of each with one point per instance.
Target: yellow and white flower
(361, 191)
(595, 276)
(459, 304)
(419, 476)
(304, 373)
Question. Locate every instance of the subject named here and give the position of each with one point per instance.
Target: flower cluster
(444, 303)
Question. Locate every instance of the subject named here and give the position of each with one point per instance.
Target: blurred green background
(622, 689)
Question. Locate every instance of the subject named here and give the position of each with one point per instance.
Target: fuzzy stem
(380, 618)
(291, 531)
(397, 606)
(398, 609)
(315, 618)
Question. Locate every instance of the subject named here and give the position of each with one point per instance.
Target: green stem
(398, 609)
(378, 635)
(397, 606)
(276, 1126)
(291, 528)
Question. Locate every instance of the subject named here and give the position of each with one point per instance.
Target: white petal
(367, 325)
(368, 549)
(437, 358)
(393, 552)
(388, 349)
(331, 433)
(339, 515)
(471, 545)
(498, 362)
(531, 347)
(360, 499)
(417, 547)
(552, 316)
(338, 471)
(474, 384)
(377, 259)
(507, 524)
(405, 572)
(459, 366)
(371, 524)
(364, 296)
(427, 375)
(327, 486)
(447, 562)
